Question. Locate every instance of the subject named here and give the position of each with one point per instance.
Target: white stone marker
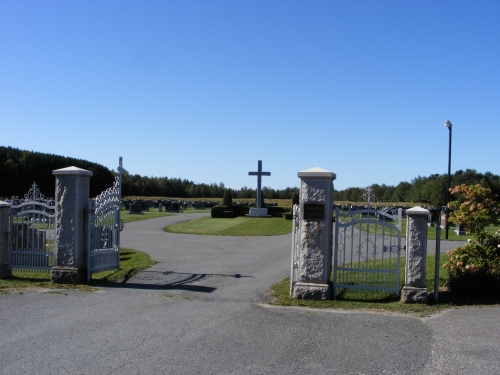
(70, 245)
(416, 253)
(4, 239)
(316, 229)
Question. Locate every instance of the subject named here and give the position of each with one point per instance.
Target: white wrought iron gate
(104, 229)
(32, 232)
(367, 250)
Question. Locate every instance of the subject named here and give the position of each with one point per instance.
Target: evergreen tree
(227, 200)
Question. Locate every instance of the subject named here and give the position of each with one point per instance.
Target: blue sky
(202, 90)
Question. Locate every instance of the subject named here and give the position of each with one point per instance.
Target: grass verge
(131, 263)
(238, 226)
(387, 302)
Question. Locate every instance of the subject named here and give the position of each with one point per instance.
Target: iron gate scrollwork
(104, 229)
(367, 250)
(32, 232)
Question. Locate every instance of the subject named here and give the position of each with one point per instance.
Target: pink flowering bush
(474, 268)
(475, 208)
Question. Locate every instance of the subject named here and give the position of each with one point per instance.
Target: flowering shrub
(474, 268)
(474, 208)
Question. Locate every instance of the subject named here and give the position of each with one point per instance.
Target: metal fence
(367, 249)
(104, 229)
(31, 232)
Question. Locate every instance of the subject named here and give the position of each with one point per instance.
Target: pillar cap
(417, 211)
(72, 171)
(317, 173)
(4, 204)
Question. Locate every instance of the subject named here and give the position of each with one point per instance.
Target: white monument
(259, 211)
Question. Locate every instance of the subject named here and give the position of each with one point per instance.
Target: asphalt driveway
(203, 310)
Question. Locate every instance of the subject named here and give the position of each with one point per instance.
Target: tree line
(429, 190)
(136, 185)
(20, 168)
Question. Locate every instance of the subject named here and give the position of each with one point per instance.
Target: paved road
(203, 310)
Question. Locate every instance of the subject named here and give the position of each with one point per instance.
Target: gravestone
(135, 208)
(259, 211)
(444, 219)
(460, 231)
(160, 208)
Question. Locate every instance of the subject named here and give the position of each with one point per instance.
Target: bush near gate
(474, 269)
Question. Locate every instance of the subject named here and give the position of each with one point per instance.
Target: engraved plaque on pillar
(314, 211)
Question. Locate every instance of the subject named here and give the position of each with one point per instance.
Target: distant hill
(20, 168)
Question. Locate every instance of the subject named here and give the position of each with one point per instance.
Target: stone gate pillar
(416, 254)
(70, 245)
(316, 229)
(4, 239)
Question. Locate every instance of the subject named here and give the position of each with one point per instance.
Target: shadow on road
(168, 280)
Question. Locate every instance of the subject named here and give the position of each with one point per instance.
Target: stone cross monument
(259, 211)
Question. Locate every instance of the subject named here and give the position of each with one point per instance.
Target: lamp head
(447, 123)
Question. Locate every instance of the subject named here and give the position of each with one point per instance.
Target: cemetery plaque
(314, 211)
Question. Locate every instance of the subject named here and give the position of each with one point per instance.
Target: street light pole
(448, 125)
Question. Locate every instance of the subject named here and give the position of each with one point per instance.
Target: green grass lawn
(384, 301)
(238, 226)
(154, 213)
(131, 263)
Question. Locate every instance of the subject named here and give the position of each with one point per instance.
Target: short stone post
(316, 229)
(4, 240)
(70, 245)
(416, 254)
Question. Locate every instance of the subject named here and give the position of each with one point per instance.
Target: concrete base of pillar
(312, 291)
(68, 275)
(414, 295)
(5, 271)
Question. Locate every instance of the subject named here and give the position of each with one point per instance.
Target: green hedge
(225, 212)
(240, 210)
(278, 211)
(220, 212)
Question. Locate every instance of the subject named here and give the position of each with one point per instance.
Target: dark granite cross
(259, 175)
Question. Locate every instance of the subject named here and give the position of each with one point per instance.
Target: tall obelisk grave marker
(316, 228)
(259, 211)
